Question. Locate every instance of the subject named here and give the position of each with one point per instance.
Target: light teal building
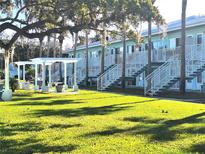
(165, 59)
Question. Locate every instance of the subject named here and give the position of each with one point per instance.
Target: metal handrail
(192, 64)
(108, 72)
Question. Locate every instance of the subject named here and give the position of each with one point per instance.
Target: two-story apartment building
(165, 58)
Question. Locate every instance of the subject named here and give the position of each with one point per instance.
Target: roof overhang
(55, 60)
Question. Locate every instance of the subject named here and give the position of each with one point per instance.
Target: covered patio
(44, 63)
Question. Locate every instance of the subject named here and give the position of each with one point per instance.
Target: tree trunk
(74, 52)
(40, 47)
(103, 51)
(124, 59)
(48, 47)
(61, 55)
(7, 75)
(40, 52)
(149, 51)
(54, 52)
(54, 46)
(87, 67)
(183, 39)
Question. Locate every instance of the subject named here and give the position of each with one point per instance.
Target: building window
(199, 39)
(189, 81)
(111, 51)
(128, 47)
(178, 42)
(99, 52)
(140, 48)
(146, 46)
(117, 50)
(133, 48)
(199, 78)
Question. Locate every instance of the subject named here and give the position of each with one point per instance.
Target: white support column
(50, 75)
(44, 88)
(24, 77)
(24, 72)
(19, 73)
(75, 86)
(36, 77)
(65, 77)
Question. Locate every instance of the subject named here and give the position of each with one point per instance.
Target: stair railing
(135, 62)
(171, 69)
(108, 77)
(161, 76)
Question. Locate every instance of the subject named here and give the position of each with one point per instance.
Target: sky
(171, 9)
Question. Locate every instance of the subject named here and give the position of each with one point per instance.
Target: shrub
(14, 84)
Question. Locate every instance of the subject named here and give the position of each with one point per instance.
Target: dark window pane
(199, 39)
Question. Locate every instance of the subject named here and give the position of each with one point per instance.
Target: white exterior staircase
(168, 74)
(109, 77)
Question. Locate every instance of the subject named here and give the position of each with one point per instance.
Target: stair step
(193, 75)
(166, 87)
(157, 63)
(149, 94)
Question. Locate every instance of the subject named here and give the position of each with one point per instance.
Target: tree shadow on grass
(85, 111)
(160, 130)
(90, 93)
(30, 146)
(13, 129)
(197, 148)
(99, 98)
(49, 103)
(64, 126)
(20, 98)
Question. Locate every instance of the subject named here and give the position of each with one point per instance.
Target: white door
(173, 43)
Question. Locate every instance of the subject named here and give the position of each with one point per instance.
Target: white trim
(54, 60)
(98, 45)
(178, 28)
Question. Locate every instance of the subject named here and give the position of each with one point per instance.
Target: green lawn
(94, 122)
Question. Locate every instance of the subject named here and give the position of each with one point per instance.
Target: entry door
(117, 55)
(173, 43)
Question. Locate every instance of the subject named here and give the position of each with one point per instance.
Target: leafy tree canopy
(39, 18)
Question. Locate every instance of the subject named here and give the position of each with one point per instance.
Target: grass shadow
(20, 98)
(160, 130)
(85, 111)
(51, 102)
(197, 148)
(64, 126)
(12, 129)
(30, 146)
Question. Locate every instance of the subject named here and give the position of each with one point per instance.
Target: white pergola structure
(49, 62)
(24, 63)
